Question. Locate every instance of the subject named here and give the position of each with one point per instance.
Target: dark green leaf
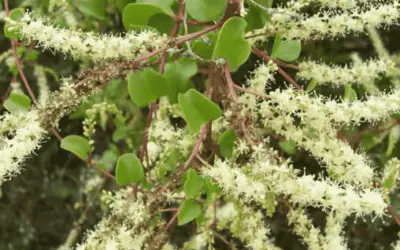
(197, 109)
(76, 144)
(146, 86)
(206, 10)
(129, 170)
(231, 44)
(188, 211)
(286, 50)
(369, 141)
(257, 16)
(226, 142)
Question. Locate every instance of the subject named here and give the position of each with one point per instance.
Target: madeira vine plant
(217, 104)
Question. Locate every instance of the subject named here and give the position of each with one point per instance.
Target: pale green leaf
(146, 86)
(197, 109)
(206, 10)
(193, 184)
(188, 211)
(17, 102)
(288, 146)
(286, 50)
(129, 170)
(138, 16)
(178, 74)
(226, 142)
(76, 144)
(93, 8)
(231, 44)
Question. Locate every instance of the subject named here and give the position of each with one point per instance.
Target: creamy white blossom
(329, 24)
(338, 76)
(42, 84)
(81, 45)
(26, 138)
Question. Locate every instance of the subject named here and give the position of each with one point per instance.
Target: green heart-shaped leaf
(76, 144)
(17, 102)
(197, 109)
(146, 86)
(231, 44)
(188, 211)
(206, 10)
(286, 50)
(129, 170)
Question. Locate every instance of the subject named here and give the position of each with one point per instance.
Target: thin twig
(196, 150)
(222, 238)
(230, 82)
(394, 215)
(171, 221)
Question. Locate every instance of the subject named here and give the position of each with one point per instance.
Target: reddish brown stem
(197, 34)
(171, 221)
(91, 164)
(393, 213)
(230, 82)
(196, 150)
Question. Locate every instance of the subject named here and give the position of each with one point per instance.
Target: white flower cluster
(42, 84)
(247, 225)
(236, 184)
(316, 135)
(80, 45)
(262, 76)
(339, 76)
(342, 4)
(19, 143)
(313, 237)
(323, 111)
(267, 177)
(122, 229)
(330, 24)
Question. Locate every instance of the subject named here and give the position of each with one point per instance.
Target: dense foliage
(199, 124)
